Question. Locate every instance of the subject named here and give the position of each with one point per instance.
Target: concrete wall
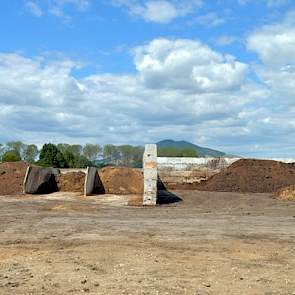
(40, 180)
(188, 164)
(68, 170)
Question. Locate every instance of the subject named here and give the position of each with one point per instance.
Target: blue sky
(217, 73)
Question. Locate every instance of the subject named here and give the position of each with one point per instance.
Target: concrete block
(93, 184)
(39, 180)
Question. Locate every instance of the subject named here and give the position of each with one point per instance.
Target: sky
(218, 73)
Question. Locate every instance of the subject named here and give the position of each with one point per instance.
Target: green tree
(69, 158)
(62, 163)
(91, 151)
(110, 153)
(81, 162)
(11, 156)
(50, 156)
(125, 154)
(137, 156)
(30, 153)
(76, 149)
(62, 147)
(130, 156)
(17, 146)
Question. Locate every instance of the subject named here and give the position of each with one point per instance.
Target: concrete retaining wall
(39, 180)
(189, 164)
(93, 184)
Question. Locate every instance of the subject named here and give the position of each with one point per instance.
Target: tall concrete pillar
(150, 173)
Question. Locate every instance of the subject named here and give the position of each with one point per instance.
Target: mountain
(202, 151)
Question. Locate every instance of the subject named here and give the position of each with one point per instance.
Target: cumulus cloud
(43, 101)
(275, 43)
(188, 65)
(275, 46)
(159, 11)
(182, 89)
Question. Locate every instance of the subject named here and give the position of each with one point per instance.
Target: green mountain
(201, 151)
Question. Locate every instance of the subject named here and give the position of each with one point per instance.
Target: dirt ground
(210, 243)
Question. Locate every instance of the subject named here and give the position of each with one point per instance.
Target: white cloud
(159, 11)
(34, 8)
(42, 101)
(81, 5)
(187, 65)
(182, 89)
(275, 46)
(211, 19)
(56, 7)
(275, 43)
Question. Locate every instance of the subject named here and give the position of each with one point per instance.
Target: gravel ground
(210, 243)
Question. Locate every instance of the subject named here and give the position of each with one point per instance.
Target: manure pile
(121, 180)
(253, 176)
(71, 182)
(12, 176)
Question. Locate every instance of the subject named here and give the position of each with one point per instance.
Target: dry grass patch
(286, 193)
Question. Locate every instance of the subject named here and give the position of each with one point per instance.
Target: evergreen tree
(48, 156)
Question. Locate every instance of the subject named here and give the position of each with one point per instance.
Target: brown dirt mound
(253, 176)
(12, 176)
(286, 193)
(71, 182)
(122, 180)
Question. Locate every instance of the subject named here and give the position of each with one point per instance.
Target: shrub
(11, 156)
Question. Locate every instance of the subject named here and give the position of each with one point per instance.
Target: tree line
(64, 155)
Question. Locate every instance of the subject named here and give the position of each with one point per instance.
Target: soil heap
(286, 193)
(71, 182)
(122, 180)
(12, 176)
(253, 176)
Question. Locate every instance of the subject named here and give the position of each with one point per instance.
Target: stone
(150, 173)
(39, 180)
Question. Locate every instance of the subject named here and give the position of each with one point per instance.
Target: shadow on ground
(164, 196)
